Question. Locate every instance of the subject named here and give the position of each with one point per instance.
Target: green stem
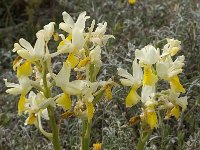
(86, 139)
(144, 137)
(87, 124)
(84, 128)
(48, 135)
(54, 128)
(56, 143)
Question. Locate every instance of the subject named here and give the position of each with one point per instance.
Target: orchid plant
(82, 48)
(80, 88)
(148, 68)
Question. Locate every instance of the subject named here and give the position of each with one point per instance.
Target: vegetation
(134, 26)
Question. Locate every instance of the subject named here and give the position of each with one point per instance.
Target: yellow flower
(65, 45)
(25, 69)
(133, 80)
(31, 119)
(132, 98)
(84, 62)
(98, 37)
(65, 101)
(90, 110)
(36, 104)
(131, 2)
(175, 111)
(151, 117)
(149, 77)
(176, 85)
(21, 104)
(97, 146)
(73, 60)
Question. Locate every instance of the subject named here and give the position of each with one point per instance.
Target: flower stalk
(84, 128)
(54, 128)
(149, 67)
(86, 131)
(144, 137)
(36, 76)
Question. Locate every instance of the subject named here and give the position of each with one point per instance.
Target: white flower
(98, 37)
(171, 48)
(89, 90)
(182, 102)
(63, 76)
(147, 93)
(68, 23)
(75, 87)
(148, 55)
(36, 106)
(30, 53)
(176, 100)
(101, 29)
(62, 80)
(132, 80)
(75, 29)
(17, 47)
(135, 78)
(23, 87)
(34, 101)
(47, 32)
(37, 103)
(167, 68)
(65, 46)
(95, 56)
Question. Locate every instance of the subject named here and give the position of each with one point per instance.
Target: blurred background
(134, 26)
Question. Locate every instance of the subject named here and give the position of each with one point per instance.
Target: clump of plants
(80, 88)
(82, 46)
(150, 66)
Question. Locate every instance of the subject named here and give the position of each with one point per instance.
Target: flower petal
(176, 85)
(39, 51)
(149, 77)
(90, 110)
(65, 101)
(73, 60)
(26, 44)
(68, 19)
(21, 105)
(151, 119)
(25, 54)
(25, 69)
(62, 78)
(132, 98)
(77, 38)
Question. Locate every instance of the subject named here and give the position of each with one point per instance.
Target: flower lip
(148, 55)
